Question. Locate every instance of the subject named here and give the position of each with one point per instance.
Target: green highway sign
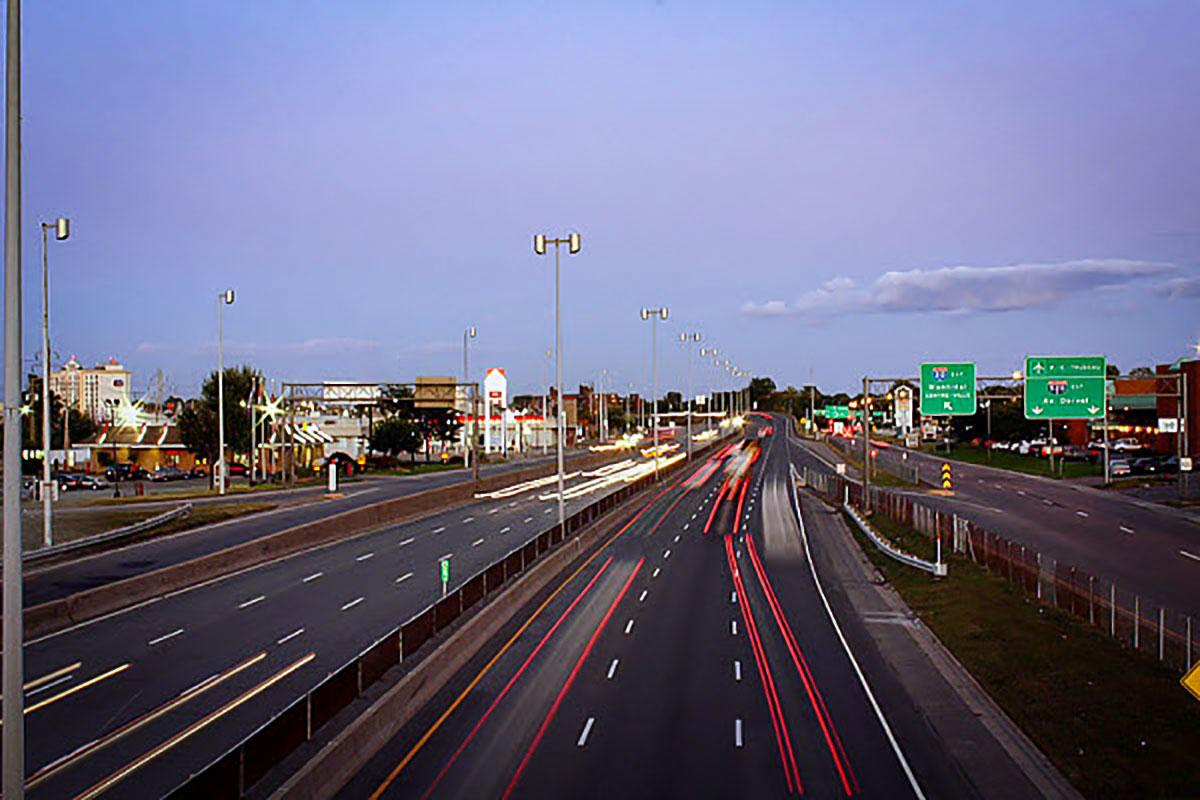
(947, 389)
(837, 412)
(1065, 387)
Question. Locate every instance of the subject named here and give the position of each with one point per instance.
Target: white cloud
(1180, 288)
(967, 289)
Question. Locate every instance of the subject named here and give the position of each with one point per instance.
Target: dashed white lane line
(291, 636)
(409, 540)
(1081, 513)
(513, 504)
(476, 543)
(642, 598)
(587, 728)
(404, 577)
(733, 596)
(448, 555)
(737, 733)
(439, 529)
(1021, 492)
(352, 604)
(733, 627)
(1126, 529)
(656, 571)
(252, 601)
(628, 627)
(548, 510)
(505, 529)
(1192, 556)
(528, 520)
(164, 637)
(493, 510)
(365, 556)
(667, 554)
(612, 668)
(677, 537)
(1047, 502)
(693, 516)
(685, 525)
(312, 577)
(737, 670)
(468, 520)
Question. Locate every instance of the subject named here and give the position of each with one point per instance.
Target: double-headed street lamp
(62, 230)
(688, 339)
(654, 314)
(539, 246)
(224, 298)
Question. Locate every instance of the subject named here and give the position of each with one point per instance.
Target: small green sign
(445, 564)
(837, 412)
(1065, 387)
(948, 389)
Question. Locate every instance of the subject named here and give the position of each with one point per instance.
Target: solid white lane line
(612, 668)
(737, 670)
(1081, 513)
(642, 598)
(468, 520)
(476, 543)
(352, 604)
(587, 728)
(409, 540)
(528, 520)
(365, 556)
(164, 637)
(312, 577)
(733, 627)
(737, 733)
(252, 601)
(506, 529)
(31, 692)
(404, 577)
(1124, 529)
(628, 627)
(439, 529)
(1192, 556)
(656, 571)
(291, 636)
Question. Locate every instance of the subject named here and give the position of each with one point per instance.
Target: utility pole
(866, 436)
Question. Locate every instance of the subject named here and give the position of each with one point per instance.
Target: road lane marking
(548, 510)
(733, 596)
(685, 525)
(476, 543)
(1047, 502)
(506, 529)
(352, 604)
(513, 504)
(1192, 556)
(528, 520)
(656, 571)
(737, 733)
(252, 601)
(164, 637)
(51, 676)
(587, 728)
(59, 682)
(612, 668)
(439, 529)
(667, 554)
(493, 511)
(409, 540)
(737, 670)
(628, 627)
(1081, 513)
(312, 577)
(642, 598)
(291, 636)
(733, 627)
(677, 537)
(468, 520)
(365, 556)
(1125, 529)
(1021, 492)
(404, 577)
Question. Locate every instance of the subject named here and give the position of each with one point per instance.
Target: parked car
(1170, 464)
(1147, 465)
(237, 469)
(1127, 445)
(67, 481)
(1046, 449)
(1073, 453)
(1119, 468)
(164, 474)
(199, 471)
(92, 483)
(125, 472)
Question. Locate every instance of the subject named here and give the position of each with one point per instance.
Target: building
(91, 390)
(148, 446)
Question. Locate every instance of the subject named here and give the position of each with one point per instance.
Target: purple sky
(841, 188)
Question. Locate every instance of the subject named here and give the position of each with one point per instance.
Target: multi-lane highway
(1145, 548)
(130, 704)
(692, 654)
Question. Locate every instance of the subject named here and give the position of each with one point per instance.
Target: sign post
(444, 567)
(948, 389)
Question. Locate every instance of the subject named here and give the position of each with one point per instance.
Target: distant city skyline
(821, 191)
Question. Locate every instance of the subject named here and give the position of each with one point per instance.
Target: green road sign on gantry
(1065, 387)
(837, 412)
(948, 389)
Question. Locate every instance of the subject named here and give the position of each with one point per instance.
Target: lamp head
(62, 228)
(573, 243)
(662, 312)
(227, 297)
(539, 244)
(645, 313)
(471, 332)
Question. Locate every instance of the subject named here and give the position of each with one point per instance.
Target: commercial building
(90, 390)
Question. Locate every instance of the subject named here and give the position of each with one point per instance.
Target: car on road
(164, 474)
(1120, 468)
(92, 483)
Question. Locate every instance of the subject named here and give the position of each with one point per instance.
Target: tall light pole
(224, 298)
(62, 229)
(539, 246)
(654, 314)
(468, 429)
(688, 339)
(708, 352)
(545, 401)
(14, 629)
(603, 413)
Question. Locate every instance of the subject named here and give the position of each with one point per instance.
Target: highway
(44, 584)
(130, 704)
(1146, 548)
(692, 654)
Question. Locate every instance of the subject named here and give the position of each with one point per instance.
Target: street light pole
(655, 314)
(539, 246)
(14, 629)
(469, 428)
(62, 229)
(688, 339)
(223, 299)
(545, 403)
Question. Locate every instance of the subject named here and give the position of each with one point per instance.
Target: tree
(238, 383)
(761, 390)
(437, 424)
(1141, 372)
(396, 436)
(198, 429)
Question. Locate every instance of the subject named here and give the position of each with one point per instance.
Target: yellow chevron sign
(947, 477)
(1191, 681)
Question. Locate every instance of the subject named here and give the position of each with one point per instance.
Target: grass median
(1117, 723)
(83, 522)
(1015, 462)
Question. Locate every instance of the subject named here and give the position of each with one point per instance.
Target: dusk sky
(834, 189)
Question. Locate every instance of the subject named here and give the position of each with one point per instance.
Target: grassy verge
(127, 498)
(418, 468)
(69, 527)
(879, 477)
(1015, 462)
(1117, 724)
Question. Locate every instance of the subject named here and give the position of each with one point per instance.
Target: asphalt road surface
(130, 704)
(691, 655)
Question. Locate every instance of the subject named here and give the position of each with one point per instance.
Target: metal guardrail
(247, 762)
(33, 556)
(937, 568)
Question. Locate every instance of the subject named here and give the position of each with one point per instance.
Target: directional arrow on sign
(1094, 409)
(1036, 409)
